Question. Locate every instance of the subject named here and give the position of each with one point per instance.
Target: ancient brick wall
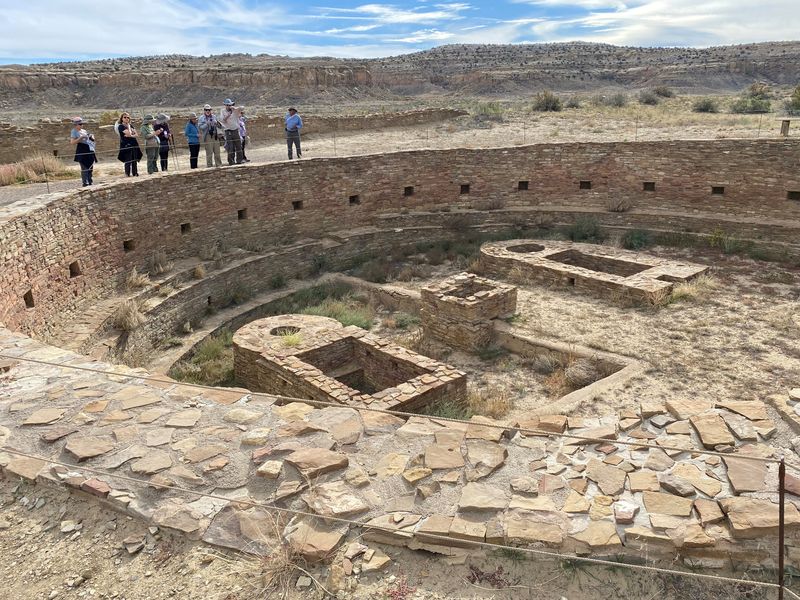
(107, 229)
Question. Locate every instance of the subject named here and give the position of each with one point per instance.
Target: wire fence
(779, 585)
(267, 143)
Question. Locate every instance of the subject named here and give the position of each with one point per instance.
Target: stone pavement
(424, 483)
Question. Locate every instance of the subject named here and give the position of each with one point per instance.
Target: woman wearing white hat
(84, 150)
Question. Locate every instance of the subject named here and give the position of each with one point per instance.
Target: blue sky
(44, 30)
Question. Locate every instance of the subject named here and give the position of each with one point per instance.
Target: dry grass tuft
(784, 318)
(700, 288)
(136, 280)
(291, 340)
(580, 372)
(128, 316)
(494, 401)
(35, 168)
(159, 263)
(199, 272)
(618, 205)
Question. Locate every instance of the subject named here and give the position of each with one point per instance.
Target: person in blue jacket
(293, 125)
(192, 134)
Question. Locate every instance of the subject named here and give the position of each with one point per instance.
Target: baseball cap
(228, 102)
(77, 120)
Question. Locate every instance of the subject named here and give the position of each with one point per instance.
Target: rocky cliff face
(473, 69)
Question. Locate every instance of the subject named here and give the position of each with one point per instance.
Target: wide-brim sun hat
(207, 107)
(227, 102)
(192, 116)
(148, 119)
(77, 121)
(162, 117)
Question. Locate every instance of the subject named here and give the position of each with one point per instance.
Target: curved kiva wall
(62, 251)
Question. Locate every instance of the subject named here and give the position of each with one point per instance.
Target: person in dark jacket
(164, 139)
(192, 134)
(84, 150)
(129, 151)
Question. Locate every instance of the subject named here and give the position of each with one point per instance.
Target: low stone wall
(327, 362)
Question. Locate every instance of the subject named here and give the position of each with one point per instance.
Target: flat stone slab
(481, 496)
(45, 416)
(185, 418)
(712, 430)
(750, 517)
(684, 408)
(443, 456)
(667, 504)
(312, 462)
(83, 448)
(152, 462)
(334, 499)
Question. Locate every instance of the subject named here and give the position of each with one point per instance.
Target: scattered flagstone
(83, 448)
(45, 416)
(312, 462)
(185, 418)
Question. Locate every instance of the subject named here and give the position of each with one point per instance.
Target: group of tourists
(210, 131)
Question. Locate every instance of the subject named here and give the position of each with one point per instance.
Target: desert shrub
(436, 255)
(401, 320)
(573, 102)
(210, 252)
(493, 401)
(319, 264)
(793, 104)
(291, 340)
(705, 105)
(492, 110)
(448, 409)
(136, 280)
(199, 272)
(635, 239)
(212, 347)
(617, 100)
(585, 229)
(759, 90)
(648, 97)
(37, 167)
(376, 270)
(580, 372)
(345, 310)
(237, 294)
(491, 352)
(546, 101)
(489, 204)
(616, 204)
(277, 281)
(663, 91)
(128, 316)
(750, 105)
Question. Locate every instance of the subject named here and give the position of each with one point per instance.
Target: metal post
(781, 526)
(758, 133)
(47, 183)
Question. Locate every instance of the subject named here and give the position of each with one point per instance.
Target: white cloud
(427, 35)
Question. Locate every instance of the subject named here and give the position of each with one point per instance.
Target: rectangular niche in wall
(718, 190)
(464, 188)
(74, 269)
(793, 195)
(584, 185)
(128, 245)
(355, 200)
(297, 205)
(28, 298)
(186, 228)
(408, 190)
(649, 186)
(241, 214)
(522, 186)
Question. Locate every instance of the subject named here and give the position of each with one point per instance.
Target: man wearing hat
(209, 136)
(151, 143)
(293, 126)
(192, 134)
(229, 119)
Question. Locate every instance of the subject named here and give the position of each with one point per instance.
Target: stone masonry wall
(107, 229)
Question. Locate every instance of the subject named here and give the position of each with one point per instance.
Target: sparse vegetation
(663, 91)
(648, 97)
(237, 294)
(277, 281)
(136, 280)
(159, 263)
(128, 316)
(705, 105)
(211, 363)
(346, 310)
(585, 229)
(35, 168)
(635, 239)
(755, 99)
(199, 272)
(618, 204)
(487, 110)
(494, 401)
(546, 101)
(793, 104)
(698, 289)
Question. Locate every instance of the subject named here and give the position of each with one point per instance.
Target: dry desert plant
(199, 272)
(618, 205)
(159, 263)
(35, 168)
(128, 316)
(136, 280)
(493, 401)
(784, 318)
(700, 288)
